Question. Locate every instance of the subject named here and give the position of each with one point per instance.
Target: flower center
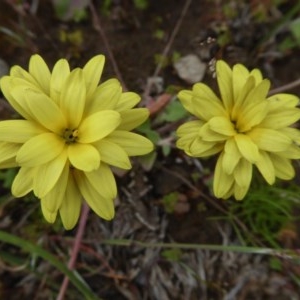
(70, 135)
(234, 123)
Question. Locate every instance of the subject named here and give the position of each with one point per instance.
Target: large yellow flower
(73, 130)
(244, 126)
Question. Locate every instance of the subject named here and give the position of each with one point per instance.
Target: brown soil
(136, 272)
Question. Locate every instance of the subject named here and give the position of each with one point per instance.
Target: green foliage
(169, 201)
(141, 4)
(159, 34)
(265, 211)
(36, 250)
(7, 177)
(173, 255)
(138, 4)
(67, 10)
(151, 134)
(275, 264)
(13, 37)
(173, 112)
(162, 60)
(293, 40)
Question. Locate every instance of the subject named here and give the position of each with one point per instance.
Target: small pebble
(190, 68)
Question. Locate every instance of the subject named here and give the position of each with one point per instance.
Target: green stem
(285, 253)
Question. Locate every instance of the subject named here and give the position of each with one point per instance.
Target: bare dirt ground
(136, 37)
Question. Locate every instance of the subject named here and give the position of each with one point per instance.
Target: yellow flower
(72, 132)
(244, 125)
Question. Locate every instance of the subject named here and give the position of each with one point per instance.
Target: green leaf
(295, 29)
(33, 249)
(174, 112)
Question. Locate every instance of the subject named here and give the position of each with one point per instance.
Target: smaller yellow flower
(72, 132)
(244, 126)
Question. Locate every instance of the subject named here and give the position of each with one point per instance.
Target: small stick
(99, 29)
(75, 250)
(167, 48)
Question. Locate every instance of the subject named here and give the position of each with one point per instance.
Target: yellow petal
(18, 72)
(292, 133)
(199, 146)
(73, 98)
(105, 97)
(8, 150)
(240, 75)
(92, 72)
(132, 143)
(52, 201)
(247, 147)
(8, 88)
(98, 125)
(185, 97)
(222, 181)
(259, 93)
(224, 77)
(40, 150)
(205, 104)
(132, 118)
(280, 101)
(127, 101)
(50, 174)
(60, 73)
(9, 163)
(40, 71)
(229, 193)
(256, 73)
(293, 152)
(209, 135)
(243, 174)
(281, 118)
(103, 207)
(103, 181)
(241, 97)
(18, 131)
(251, 116)
(45, 111)
(231, 156)
(239, 192)
(222, 125)
(185, 141)
(265, 167)
(23, 182)
(71, 205)
(215, 148)
(189, 127)
(270, 140)
(283, 167)
(113, 154)
(84, 157)
(49, 216)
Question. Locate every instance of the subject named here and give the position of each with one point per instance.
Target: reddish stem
(78, 238)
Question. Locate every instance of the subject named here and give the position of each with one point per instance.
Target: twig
(285, 87)
(99, 29)
(78, 238)
(167, 48)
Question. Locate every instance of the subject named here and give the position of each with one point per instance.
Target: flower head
(73, 130)
(243, 125)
